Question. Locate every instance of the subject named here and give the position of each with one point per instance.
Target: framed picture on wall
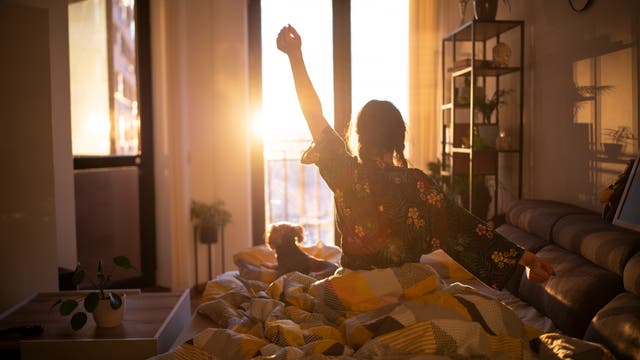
(628, 213)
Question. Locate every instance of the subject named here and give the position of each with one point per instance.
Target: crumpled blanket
(393, 313)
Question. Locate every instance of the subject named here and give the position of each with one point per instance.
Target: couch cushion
(575, 294)
(631, 275)
(617, 326)
(521, 238)
(596, 240)
(538, 216)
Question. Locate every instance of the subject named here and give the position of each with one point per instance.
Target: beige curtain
(424, 84)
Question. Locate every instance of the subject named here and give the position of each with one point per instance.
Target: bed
(428, 310)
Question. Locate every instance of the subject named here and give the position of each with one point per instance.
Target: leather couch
(595, 294)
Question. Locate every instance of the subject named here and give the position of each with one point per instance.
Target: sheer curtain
(424, 70)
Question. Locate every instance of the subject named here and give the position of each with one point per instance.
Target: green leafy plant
(488, 106)
(90, 300)
(208, 218)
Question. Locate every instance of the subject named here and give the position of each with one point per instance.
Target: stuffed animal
(284, 238)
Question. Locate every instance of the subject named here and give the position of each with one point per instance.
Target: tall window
(295, 192)
(112, 137)
(104, 86)
(379, 68)
(380, 53)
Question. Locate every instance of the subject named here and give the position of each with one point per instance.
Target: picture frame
(628, 212)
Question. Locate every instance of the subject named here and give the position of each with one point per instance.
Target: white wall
(200, 86)
(37, 225)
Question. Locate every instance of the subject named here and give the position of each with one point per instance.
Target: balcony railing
(297, 193)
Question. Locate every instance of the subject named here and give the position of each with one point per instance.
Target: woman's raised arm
(289, 42)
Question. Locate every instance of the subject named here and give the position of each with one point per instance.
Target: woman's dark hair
(380, 129)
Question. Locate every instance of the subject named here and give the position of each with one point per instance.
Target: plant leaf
(115, 300)
(78, 277)
(123, 262)
(78, 320)
(91, 301)
(68, 306)
(100, 266)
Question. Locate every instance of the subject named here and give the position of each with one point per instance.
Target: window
(104, 92)
(380, 54)
(112, 137)
(295, 192)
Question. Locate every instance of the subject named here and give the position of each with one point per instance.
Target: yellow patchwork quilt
(394, 313)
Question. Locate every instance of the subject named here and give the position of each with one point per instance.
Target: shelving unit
(482, 155)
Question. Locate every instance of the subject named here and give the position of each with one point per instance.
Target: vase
(501, 55)
(485, 10)
(487, 135)
(105, 316)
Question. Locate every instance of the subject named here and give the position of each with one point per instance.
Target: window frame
(341, 10)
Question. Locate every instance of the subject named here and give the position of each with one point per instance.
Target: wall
(199, 54)
(37, 226)
(564, 129)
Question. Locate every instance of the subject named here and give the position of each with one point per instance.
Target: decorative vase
(501, 55)
(485, 10)
(105, 316)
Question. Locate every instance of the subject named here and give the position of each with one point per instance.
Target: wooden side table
(151, 323)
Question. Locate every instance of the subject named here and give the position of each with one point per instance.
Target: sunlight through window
(380, 54)
(295, 192)
(379, 38)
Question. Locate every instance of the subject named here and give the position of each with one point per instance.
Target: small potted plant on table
(106, 306)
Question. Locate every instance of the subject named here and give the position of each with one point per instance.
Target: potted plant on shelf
(486, 10)
(619, 138)
(486, 133)
(107, 307)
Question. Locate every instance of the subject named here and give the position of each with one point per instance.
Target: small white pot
(105, 316)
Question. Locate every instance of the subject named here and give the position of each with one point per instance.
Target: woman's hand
(537, 269)
(289, 41)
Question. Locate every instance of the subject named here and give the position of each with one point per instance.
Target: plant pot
(208, 234)
(485, 10)
(612, 150)
(487, 136)
(105, 316)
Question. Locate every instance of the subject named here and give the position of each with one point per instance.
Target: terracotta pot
(485, 10)
(105, 316)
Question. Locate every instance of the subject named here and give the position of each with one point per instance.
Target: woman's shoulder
(417, 173)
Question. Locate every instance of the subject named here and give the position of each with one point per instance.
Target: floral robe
(389, 215)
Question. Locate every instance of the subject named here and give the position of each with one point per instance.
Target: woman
(387, 213)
